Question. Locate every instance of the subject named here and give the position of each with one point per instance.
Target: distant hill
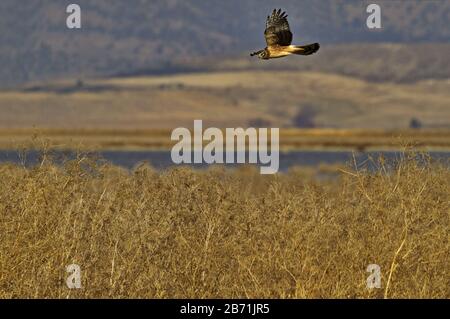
(120, 37)
(373, 62)
(228, 99)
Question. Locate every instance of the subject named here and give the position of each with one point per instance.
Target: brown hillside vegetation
(227, 99)
(380, 62)
(218, 233)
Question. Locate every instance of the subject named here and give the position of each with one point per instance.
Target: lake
(162, 159)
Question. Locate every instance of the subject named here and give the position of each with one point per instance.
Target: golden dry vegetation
(219, 233)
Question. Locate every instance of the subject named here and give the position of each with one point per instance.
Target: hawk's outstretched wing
(277, 29)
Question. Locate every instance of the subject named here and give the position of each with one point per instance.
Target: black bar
(224, 308)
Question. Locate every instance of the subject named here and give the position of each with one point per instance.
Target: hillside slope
(125, 36)
(227, 99)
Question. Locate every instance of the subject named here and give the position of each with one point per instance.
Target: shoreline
(290, 139)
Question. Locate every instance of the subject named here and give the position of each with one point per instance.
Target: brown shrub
(220, 233)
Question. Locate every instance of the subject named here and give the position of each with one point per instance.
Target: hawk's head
(263, 54)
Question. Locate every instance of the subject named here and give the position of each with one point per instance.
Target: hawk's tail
(306, 49)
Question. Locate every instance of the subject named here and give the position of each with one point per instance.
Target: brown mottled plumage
(279, 39)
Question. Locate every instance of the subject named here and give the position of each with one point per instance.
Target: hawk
(279, 39)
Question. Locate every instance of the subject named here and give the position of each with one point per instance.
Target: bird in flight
(279, 39)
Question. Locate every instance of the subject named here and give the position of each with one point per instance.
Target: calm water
(162, 159)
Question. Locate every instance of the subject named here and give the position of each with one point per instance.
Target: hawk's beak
(256, 53)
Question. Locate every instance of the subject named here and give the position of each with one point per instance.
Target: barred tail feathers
(305, 49)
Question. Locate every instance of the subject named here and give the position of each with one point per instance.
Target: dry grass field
(257, 98)
(218, 233)
(140, 112)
